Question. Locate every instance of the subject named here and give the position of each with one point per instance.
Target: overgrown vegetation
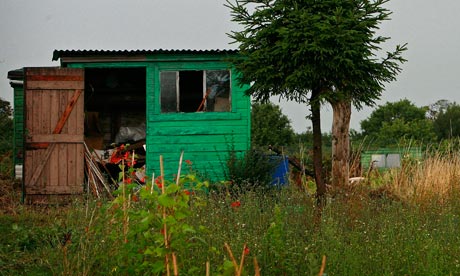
(400, 222)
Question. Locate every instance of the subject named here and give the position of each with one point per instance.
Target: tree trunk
(340, 142)
(315, 108)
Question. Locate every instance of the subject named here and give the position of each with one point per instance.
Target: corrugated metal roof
(84, 53)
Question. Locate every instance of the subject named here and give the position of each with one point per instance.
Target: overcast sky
(30, 30)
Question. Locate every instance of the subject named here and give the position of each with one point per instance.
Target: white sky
(30, 30)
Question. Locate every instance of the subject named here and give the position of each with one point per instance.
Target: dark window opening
(193, 91)
(115, 104)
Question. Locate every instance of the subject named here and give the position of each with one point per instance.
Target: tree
(447, 122)
(311, 51)
(6, 125)
(269, 126)
(436, 108)
(393, 121)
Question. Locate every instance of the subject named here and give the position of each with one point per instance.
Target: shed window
(393, 160)
(194, 91)
(390, 160)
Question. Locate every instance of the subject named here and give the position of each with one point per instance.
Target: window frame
(204, 72)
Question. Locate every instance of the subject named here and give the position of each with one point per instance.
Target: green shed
(172, 100)
(386, 158)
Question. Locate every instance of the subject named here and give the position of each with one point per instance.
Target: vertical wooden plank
(63, 158)
(79, 150)
(71, 148)
(45, 126)
(34, 129)
(53, 117)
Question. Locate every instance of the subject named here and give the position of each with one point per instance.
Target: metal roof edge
(81, 53)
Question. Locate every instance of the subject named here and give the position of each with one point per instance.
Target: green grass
(357, 234)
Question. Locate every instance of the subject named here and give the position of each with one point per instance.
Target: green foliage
(447, 122)
(269, 126)
(358, 235)
(6, 125)
(250, 170)
(291, 47)
(152, 221)
(6, 165)
(390, 123)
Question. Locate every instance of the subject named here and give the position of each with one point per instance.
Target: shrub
(251, 170)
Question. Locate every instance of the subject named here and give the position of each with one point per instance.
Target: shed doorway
(115, 106)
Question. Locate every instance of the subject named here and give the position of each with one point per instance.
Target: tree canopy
(393, 121)
(290, 47)
(269, 126)
(447, 122)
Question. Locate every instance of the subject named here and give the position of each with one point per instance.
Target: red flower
(235, 204)
(135, 198)
(158, 182)
(187, 192)
(128, 180)
(188, 162)
(246, 250)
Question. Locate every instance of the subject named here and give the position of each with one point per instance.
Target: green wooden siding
(18, 142)
(205, 137)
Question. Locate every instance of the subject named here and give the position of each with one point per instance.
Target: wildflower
(187, 192)
(158, 182)
(135, 198)
(128, 180)
(235, 204)
(188, 162)
(246, 250)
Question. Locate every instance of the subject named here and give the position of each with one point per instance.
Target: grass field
(401, 222)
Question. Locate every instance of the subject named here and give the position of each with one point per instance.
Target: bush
(254, 169)
(6, 166)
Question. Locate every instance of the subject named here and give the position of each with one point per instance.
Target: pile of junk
(110, 162)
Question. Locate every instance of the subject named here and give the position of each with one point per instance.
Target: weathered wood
(50, 109)
(67, 111)
(60, 124)
(55, 138)
(340, 142)
(55, 189)
(39, 169)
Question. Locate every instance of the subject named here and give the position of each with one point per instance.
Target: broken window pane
(168, 91)
(218, 89)
(192, 91)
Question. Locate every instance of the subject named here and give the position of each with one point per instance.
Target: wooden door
(54, 126)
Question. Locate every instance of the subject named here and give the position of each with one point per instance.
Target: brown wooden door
(54, 122)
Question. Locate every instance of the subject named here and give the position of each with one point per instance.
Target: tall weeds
(436, 177)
